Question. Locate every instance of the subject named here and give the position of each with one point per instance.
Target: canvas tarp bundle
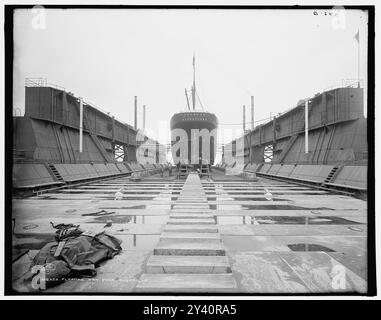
(76, 256)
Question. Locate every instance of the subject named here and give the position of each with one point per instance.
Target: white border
(213, 298)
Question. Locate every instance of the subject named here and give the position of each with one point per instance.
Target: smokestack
(136, 113)
(252, 113)
(144, 117)
(306, 126)
(244, 117)
(80, 124)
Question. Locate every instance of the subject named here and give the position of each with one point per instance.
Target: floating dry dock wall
(46, 142)
(337, 143)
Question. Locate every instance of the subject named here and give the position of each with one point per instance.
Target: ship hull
(190, 123)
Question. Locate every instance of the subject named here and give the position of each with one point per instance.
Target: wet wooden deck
(273, 237)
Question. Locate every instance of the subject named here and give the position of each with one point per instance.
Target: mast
(194, 83)
(186, 95)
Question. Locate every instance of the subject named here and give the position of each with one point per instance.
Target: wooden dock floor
(218, 234)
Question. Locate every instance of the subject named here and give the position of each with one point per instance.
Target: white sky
(109, 56)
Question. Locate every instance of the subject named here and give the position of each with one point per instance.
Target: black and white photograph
(167, 150)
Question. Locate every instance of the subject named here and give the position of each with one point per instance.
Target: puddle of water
(305, 220)
(125, 192)
(141, 206)
(117, 187)
(276, 192)
(114, 219)
(259, 199)
(279, 207)
(135, 219)
(127, 198)
(30, 226)
(308, 247)
(283, 220)
(98, 213)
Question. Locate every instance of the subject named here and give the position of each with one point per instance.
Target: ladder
(332, 174)
(55, 173)
(204, 170)
(183, 171)
(18, 155)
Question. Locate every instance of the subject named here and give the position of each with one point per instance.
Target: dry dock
(218, 234)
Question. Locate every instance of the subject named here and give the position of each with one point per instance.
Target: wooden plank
(188, 264)
(186, 283)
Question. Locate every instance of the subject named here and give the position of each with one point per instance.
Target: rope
(199, 100)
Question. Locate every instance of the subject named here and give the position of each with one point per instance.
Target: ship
(198, 127)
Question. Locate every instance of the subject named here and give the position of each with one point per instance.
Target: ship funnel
(244, 117)
(252, 113)
(144, 117)
(80, 124)
(136, 113)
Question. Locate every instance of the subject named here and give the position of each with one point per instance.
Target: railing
(41, 82)
(105, 112)
(35, 82)
(345, 83)
(17, 112)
